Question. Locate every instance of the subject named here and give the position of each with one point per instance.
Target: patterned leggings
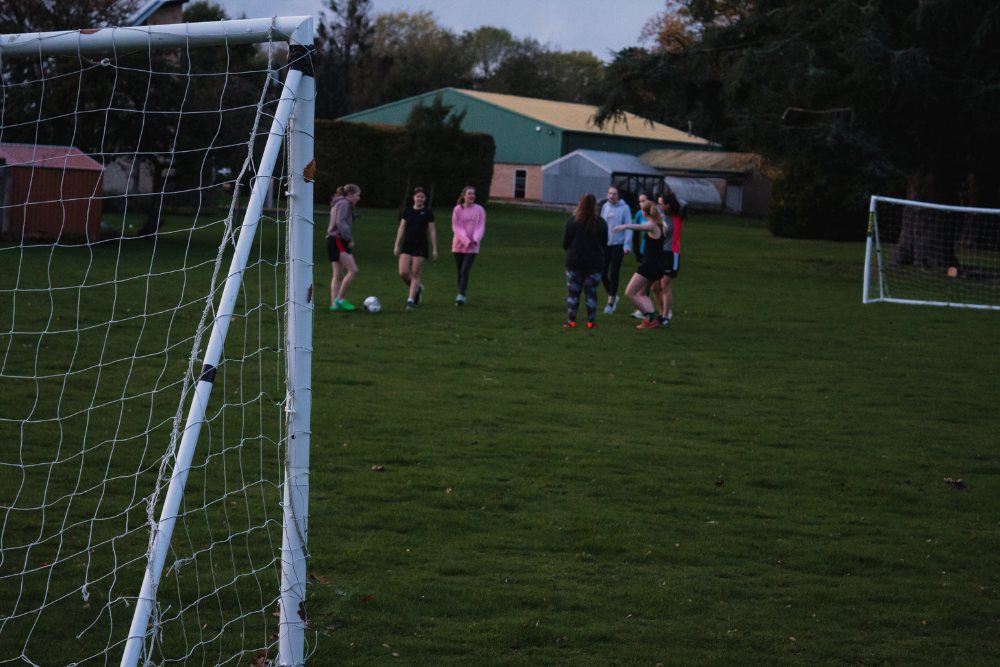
(586, 282)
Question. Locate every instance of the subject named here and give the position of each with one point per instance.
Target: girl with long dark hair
(585, 237)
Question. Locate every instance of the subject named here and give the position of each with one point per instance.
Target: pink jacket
(469, 225)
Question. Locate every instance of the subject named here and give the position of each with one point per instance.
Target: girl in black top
(411, 244)
(584, 239)
(657, 259)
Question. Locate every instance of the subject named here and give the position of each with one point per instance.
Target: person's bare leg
(416, 268)
(668, 296)
(404, 268)
(636, 293)
(335, 282)
(656, 293)
(347, 264)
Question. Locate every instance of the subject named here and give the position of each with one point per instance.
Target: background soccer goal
(155, 343)
(932, 254)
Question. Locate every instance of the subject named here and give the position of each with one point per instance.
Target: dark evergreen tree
(873, 94)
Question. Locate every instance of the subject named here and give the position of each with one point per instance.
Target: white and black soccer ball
(372, 304)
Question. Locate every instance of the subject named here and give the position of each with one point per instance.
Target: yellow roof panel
(579, 118)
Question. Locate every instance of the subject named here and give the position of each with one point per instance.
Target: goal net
(932, 254)
(155, 336)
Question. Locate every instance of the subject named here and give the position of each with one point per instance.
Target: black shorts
(335, 246)
(654, 267)
(675, 266)
(414, 250)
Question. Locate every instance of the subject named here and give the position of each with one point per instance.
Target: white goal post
(288, 150)
(932, 254)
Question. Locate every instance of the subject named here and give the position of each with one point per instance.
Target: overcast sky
(599, 26)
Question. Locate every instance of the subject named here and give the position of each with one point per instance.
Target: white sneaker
(460, 300)
(638, 315)
(610, 308)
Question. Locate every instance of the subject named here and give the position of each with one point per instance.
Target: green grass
(583, 466)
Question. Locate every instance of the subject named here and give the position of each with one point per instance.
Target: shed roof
(613, 163)
(48, 157)
(580, 118)
(666, 159)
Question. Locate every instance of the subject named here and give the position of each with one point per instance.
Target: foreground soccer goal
(155, 343)
(933, 255)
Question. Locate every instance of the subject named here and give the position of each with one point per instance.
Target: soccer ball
(372, 304)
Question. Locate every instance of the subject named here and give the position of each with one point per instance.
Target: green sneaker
(345, 305)
(335, 306)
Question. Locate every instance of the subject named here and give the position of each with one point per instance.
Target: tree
(503, 64)
(879, 92)
(344, 42)
(413, 54)
(429, 143)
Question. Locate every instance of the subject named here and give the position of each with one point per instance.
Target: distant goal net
(155, 344)
(931, 254)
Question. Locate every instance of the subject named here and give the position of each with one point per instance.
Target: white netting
(928, 254)
(112, 257)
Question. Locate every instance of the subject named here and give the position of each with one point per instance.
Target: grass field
(760, 482)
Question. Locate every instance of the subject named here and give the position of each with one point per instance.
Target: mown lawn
(761, 482)
(770, 466)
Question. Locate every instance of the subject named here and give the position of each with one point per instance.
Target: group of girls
(585, 238)
(468, 223)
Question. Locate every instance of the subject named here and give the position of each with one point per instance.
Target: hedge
(369, 155)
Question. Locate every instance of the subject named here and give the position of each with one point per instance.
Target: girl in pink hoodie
(468, 222)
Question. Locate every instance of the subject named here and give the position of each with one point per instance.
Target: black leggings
(613, 256)
(463, 262)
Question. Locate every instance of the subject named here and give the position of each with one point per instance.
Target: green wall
(516, 138)
(519, 139)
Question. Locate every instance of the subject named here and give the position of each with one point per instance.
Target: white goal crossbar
(896, 273)
(293, 118)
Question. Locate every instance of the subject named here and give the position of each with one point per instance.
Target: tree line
(366, 59)
(846, 98)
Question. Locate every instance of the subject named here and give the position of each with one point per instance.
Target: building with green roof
(530, 132)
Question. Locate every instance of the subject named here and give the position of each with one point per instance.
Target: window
(520, 179)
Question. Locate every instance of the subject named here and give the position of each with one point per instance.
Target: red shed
(49, 191)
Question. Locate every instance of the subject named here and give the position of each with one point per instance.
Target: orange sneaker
(591, 325)
(570, 325)
(646, 324)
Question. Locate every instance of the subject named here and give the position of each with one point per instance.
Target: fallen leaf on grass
(395, 655)
(562, 640)
(539, 453)
(369, 598)
(474, 442)
(204, 626)
(447, 490)
(276, 612)
(321, 579)
(792, 638)
(718, 482)
(378, 468)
